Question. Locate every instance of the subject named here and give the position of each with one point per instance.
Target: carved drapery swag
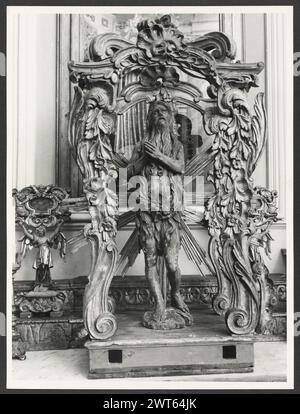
(238, 214)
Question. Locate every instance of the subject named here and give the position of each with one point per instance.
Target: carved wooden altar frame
(238, 214)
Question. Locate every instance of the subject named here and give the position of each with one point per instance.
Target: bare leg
(174, 275)
(153, 280)
(152, 319)
(176, 298)
(160, 318)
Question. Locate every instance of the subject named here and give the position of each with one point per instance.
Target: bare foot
(178, 303)
(170, 319)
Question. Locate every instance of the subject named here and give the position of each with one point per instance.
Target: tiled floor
(69, 368)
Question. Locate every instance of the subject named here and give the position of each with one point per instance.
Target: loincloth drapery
(158, 227)
(43, 257)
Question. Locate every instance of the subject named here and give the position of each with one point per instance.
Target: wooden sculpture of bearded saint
(158, 161)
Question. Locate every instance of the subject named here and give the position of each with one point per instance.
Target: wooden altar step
(204, 348)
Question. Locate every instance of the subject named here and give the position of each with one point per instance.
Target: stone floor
(69, 368)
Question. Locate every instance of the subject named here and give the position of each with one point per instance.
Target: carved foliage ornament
(239, 215)
(157, 42)
(91, 128)
(159, 38)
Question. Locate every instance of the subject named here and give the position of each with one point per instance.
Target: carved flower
(258, 269)
(108, 228)
(233, 223)
(99, 163)
(219, 174)
(236, 164)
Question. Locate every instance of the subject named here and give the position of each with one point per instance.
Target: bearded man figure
(159, 161)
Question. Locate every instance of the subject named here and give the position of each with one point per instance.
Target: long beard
(162, 139)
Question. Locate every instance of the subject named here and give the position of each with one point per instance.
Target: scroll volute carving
(239, 215)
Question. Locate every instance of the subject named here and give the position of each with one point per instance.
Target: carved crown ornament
(41, 210)
(160, 43)
(119, 79)
(41, 205)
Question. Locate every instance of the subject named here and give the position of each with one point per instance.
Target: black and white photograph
(149, 198)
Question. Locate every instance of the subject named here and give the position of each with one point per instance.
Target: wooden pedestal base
(136, 351)
(18, 347)
(29, 315)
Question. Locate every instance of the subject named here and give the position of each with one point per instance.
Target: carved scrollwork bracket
(239, 215)
(91, 130)
(98, 317)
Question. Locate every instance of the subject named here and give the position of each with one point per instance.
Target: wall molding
(276, 103)
(133, 291)
(67, 174)
(21, 104)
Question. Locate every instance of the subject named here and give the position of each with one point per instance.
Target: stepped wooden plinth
(203, 348)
